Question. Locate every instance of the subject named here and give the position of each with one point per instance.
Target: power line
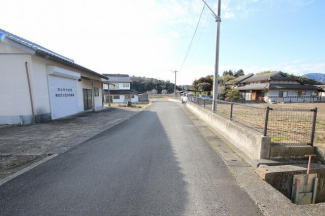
(193, 37)
(200, 34)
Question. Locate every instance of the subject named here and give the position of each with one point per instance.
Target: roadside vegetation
(153, 86)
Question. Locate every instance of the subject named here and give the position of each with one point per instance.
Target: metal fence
(285, 126)
(296, 99)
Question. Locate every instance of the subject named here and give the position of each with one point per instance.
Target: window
(301, 93)
(126, 85)
(283, 94)
(116, 97)
(96, 91)
(132, 96)
(127, 96)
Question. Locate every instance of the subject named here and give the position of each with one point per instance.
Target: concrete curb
(270, 201)
(26, 169)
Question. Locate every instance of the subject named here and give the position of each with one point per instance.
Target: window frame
(96, 91)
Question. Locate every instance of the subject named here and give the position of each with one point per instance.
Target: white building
(38, 85)
(119, 89)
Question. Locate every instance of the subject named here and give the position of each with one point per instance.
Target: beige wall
(6, 48)
(40, 71)
(14, 96)
(87, 84)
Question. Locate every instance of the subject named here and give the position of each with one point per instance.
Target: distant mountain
(316, 76)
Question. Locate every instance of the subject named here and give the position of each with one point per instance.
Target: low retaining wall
(320, 154)
(290, 152)
(252, 143)
(281, 177)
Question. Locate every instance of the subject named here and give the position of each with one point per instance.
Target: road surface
(156, 163)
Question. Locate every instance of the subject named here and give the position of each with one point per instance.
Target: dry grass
(320, 121)
(286, 127)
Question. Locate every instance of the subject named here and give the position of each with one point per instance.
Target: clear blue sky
(267, 35)
(150, 37)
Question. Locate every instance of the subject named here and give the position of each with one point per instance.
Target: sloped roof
(268, 76)
(254, 87)
(239, 79)
(46, 53)
(118, 78)
(267, 86)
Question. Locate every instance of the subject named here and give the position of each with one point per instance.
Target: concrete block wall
(252, 143)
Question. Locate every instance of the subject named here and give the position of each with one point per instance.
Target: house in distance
(118, 89)
(276, 87)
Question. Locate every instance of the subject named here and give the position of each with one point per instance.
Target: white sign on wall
(63, 96)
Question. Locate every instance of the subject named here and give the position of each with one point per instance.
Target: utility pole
(175, 83)
(215, 78)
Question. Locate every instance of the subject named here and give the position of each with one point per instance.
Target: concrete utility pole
(175, 83)
(215, 78)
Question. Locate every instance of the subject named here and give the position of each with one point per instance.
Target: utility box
(304, 189)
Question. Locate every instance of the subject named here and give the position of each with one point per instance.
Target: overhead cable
(192, 38)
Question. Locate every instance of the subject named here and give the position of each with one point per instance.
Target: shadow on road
(130, 169)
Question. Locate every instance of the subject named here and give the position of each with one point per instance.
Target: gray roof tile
(118, 78)
(239, 79)
(268, 76)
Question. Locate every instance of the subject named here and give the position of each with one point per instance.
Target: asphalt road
(156, 163)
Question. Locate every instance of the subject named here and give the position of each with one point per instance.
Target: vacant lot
(320, 122)
(289, 123)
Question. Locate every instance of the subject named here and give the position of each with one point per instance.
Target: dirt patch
(10, 164)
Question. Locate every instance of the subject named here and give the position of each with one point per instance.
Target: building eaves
(294, 86)
(121, 92)
(46, 53)
(117, 78)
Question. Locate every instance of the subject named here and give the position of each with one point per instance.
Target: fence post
(312, 135)
(231, 108)
(203, 103)
(267, 110)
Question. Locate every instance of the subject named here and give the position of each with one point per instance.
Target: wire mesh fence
(290, 126)
(285, 126)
